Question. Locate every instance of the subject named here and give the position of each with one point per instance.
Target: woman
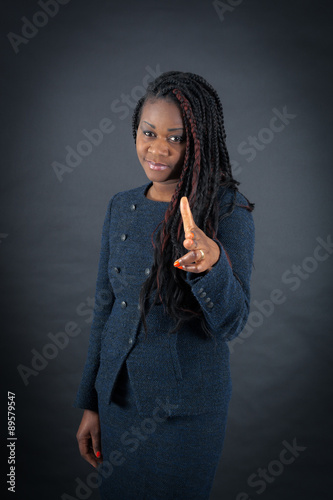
(173, 287)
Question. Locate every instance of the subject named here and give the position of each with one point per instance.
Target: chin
(157, 175)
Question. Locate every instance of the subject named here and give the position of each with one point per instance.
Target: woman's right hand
(89, 438)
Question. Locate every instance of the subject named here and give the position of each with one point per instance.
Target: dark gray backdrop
(69, 75)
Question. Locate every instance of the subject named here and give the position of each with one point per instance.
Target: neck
(162, 192)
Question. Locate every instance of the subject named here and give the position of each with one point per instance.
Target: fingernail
(192, 235)
(177, 263)
(98, 454)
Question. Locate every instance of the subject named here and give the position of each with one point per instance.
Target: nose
(159, 148)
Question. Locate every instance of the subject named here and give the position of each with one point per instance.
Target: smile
(157, 166)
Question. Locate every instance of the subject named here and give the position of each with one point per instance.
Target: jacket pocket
(174, 356)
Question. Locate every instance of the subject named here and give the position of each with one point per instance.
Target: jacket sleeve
(86, 397)
(224, 292)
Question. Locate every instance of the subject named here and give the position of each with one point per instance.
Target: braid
(206, 167)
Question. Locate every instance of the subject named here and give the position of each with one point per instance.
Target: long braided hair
(206, 167)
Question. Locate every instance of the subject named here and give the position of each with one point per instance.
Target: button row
(117, 270)
(208, 300)
(123, 305)
(132, 208)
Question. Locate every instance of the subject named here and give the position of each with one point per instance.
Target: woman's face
(160, 141)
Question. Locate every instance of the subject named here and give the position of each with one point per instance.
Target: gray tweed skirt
(163, 457)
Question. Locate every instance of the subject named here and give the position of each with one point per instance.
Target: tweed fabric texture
(186, 370)
(157, 457)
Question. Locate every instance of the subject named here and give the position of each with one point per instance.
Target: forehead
(159, 111)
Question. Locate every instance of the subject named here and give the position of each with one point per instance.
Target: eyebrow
(169, 129)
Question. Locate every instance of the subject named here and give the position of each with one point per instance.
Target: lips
(156, 166)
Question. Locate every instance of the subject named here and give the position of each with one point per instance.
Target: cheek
(139, 146)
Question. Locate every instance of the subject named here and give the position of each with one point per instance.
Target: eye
(177, 138)
(148, 133)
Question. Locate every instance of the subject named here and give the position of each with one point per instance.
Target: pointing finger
(188, 221)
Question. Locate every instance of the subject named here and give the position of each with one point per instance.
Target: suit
(186, 372)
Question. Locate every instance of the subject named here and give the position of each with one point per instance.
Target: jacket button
(207, 300)
(116, 269)
(123, 237)
(147, 271)
(203, 294)
(123, 304)
(130, 341)
(210, 305)
(133, 207)
(201, 290)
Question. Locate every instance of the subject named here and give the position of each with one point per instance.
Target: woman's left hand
(204, 252)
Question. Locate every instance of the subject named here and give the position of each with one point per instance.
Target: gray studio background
(89, 63)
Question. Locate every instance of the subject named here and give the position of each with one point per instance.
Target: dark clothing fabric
(157, 457)
(186, 368)
(163, 400)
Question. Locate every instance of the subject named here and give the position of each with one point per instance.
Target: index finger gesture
(188, 221)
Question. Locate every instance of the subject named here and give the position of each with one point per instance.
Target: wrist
(218, 251)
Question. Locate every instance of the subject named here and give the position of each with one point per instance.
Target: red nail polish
(98, 454)
(176, 264)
